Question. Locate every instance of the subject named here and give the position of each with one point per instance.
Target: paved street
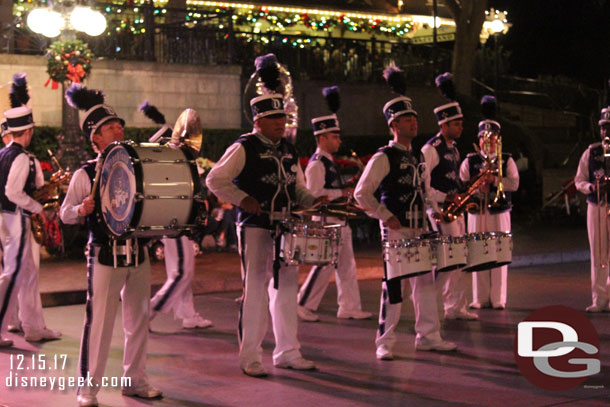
(200, 368)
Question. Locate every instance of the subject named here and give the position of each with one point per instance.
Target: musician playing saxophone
(591, 180)
(489, 286)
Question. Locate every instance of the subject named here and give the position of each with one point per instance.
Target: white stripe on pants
(106, 286)
(260, 298)
(423, 291)
(489, 286)
(177, 293)
(600, 253)
(348, 293)
(454, 283)
(20, 273)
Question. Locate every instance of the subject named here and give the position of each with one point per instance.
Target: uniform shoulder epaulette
(436, 142)
(509, 155)
(471, 155)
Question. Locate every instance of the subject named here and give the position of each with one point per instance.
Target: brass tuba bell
(187, 131)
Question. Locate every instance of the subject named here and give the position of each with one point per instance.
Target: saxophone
(454, 209)
(49, 196)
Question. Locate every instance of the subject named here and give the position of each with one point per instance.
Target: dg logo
(557, 348)
(487, 126)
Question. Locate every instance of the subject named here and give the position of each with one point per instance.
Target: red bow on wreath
(75, 73)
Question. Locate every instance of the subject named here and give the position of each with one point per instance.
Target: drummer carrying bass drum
(390, 183)
(114, 272)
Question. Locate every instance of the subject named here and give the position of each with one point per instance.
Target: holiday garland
(68, 61)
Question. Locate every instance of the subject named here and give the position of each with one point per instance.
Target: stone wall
(214, 91)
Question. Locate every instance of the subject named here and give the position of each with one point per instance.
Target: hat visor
(271, 114)
(402, 113)
(602, 122)
(452, 118)
(105, 120)
(21, 128)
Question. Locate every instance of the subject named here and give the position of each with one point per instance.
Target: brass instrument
(187, 131)
(601, 183)
(49, 196)
(351, 183)
(454, 209)
(500, 202)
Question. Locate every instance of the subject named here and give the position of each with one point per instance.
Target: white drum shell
(504, 248)
(450, 253)
(482, 251)
(168, 188)
(309, 243)
(407, 258)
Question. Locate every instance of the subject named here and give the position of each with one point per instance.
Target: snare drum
(450, 253)
(309, 242)
(407, 258)
(147, 191)
(504, 248)
(482, 253)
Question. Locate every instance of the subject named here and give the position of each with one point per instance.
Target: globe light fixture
(51, 23)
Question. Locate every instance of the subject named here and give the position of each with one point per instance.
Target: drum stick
(98, 173)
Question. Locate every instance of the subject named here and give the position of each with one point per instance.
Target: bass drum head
(117, 190)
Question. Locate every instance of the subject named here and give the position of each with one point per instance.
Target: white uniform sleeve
(582, 174)
(303, 195)
(220, 178)
(374, 172)
(511, 178)
(17, 177)
(431, 159)
(79, 189)
(315, 174)
(465, 171)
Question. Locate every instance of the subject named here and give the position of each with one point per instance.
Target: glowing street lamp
(51, 23)
(495, 24)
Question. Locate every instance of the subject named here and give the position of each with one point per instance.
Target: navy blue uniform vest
(445, 176)
(476, 164)
(398, 189)
(97, 236)
(269, 175)
(597, 167)
(332, 178)
(7, 157)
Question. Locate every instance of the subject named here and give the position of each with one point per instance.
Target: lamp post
(64, 21)
(495, 24)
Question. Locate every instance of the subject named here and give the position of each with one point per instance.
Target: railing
(213, 41)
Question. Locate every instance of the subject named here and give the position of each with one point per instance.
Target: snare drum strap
(276, 259)
(394, 287)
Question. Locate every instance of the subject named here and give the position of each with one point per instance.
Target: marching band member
(117, 273)
(442, 163)
(489, 286)
(176, 294)
(593, 167)
(323, 178)
(260, 174)
(392, 174)
(20, 176)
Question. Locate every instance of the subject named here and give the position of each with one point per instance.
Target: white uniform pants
(423, 294)
(107, 288)
(600, 251)
(348, 293)
(177, 293)
(489, 286)
(260, 298)
(19, 276)
(454, 283)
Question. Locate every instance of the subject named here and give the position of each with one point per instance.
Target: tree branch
(454, 7)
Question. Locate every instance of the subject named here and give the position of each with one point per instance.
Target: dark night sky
(559, 37)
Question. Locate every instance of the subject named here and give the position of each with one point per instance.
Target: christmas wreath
(68, 61)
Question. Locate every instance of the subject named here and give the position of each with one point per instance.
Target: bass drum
(147, 191)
